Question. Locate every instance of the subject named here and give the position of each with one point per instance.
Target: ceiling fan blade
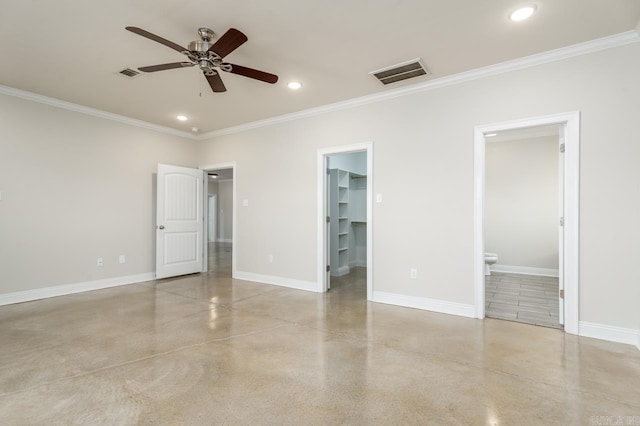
(162, 67)
(251, 73)
(229, 42)
(216, 83)
(156, 38)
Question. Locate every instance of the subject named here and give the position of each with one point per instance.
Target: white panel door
(179, 221)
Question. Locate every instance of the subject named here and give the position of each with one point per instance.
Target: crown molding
(579, 49)
(34, 97)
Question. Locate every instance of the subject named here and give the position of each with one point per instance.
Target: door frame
(234, 241)
(571, 123)
(322, 189)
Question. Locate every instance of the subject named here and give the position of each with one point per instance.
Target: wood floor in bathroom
(528, 299)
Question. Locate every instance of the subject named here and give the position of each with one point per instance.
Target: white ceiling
(73, 49)
(223, 174)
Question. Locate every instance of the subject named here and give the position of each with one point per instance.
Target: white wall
(75, 188)
(355, 162)
(212, 187)
(521, 202)
(212, 234)
(423, 166)
(225, 210)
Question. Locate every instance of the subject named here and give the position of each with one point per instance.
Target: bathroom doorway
(522, 204)
(529, 194)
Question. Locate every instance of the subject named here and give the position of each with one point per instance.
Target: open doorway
(522, 230)
(534, 277)
(219, 246)
(345, 228)
(347, 197)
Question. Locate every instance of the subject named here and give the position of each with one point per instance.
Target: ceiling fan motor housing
(199, 46)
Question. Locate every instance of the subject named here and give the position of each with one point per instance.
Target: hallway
(219, 258)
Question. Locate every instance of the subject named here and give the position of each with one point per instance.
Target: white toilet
(489, 259)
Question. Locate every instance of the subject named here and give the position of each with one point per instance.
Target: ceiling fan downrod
(206, 59)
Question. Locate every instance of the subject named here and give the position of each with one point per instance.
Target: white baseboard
(62, 290)
(441, 306)
(608, 332)
(345, 270)
(281, 281)
(525, 270)
(224, 240)
(362, 264)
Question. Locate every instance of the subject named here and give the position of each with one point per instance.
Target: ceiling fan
(208, 56)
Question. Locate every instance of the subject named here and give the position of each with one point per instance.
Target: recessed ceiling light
(195, 129)
(522, 13)
(213, 175)
(490, 135)
(294, 85)
(182, 117)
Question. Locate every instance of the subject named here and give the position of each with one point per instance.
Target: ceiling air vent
(399, 72)
(128, 72)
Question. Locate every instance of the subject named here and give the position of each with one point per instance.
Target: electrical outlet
(100, 261)
(270, 258)
(245, 203)
(121, 259)
(413, 274)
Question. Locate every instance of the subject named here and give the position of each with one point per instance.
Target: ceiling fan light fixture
(294, 85)
(522, 13)
(182, 117)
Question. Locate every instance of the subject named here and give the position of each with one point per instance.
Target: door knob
(161, 227)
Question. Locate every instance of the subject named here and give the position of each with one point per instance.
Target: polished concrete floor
(528, 299)
(219, 256)
(206, 349)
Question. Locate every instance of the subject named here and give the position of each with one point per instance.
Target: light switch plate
(378, 198)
